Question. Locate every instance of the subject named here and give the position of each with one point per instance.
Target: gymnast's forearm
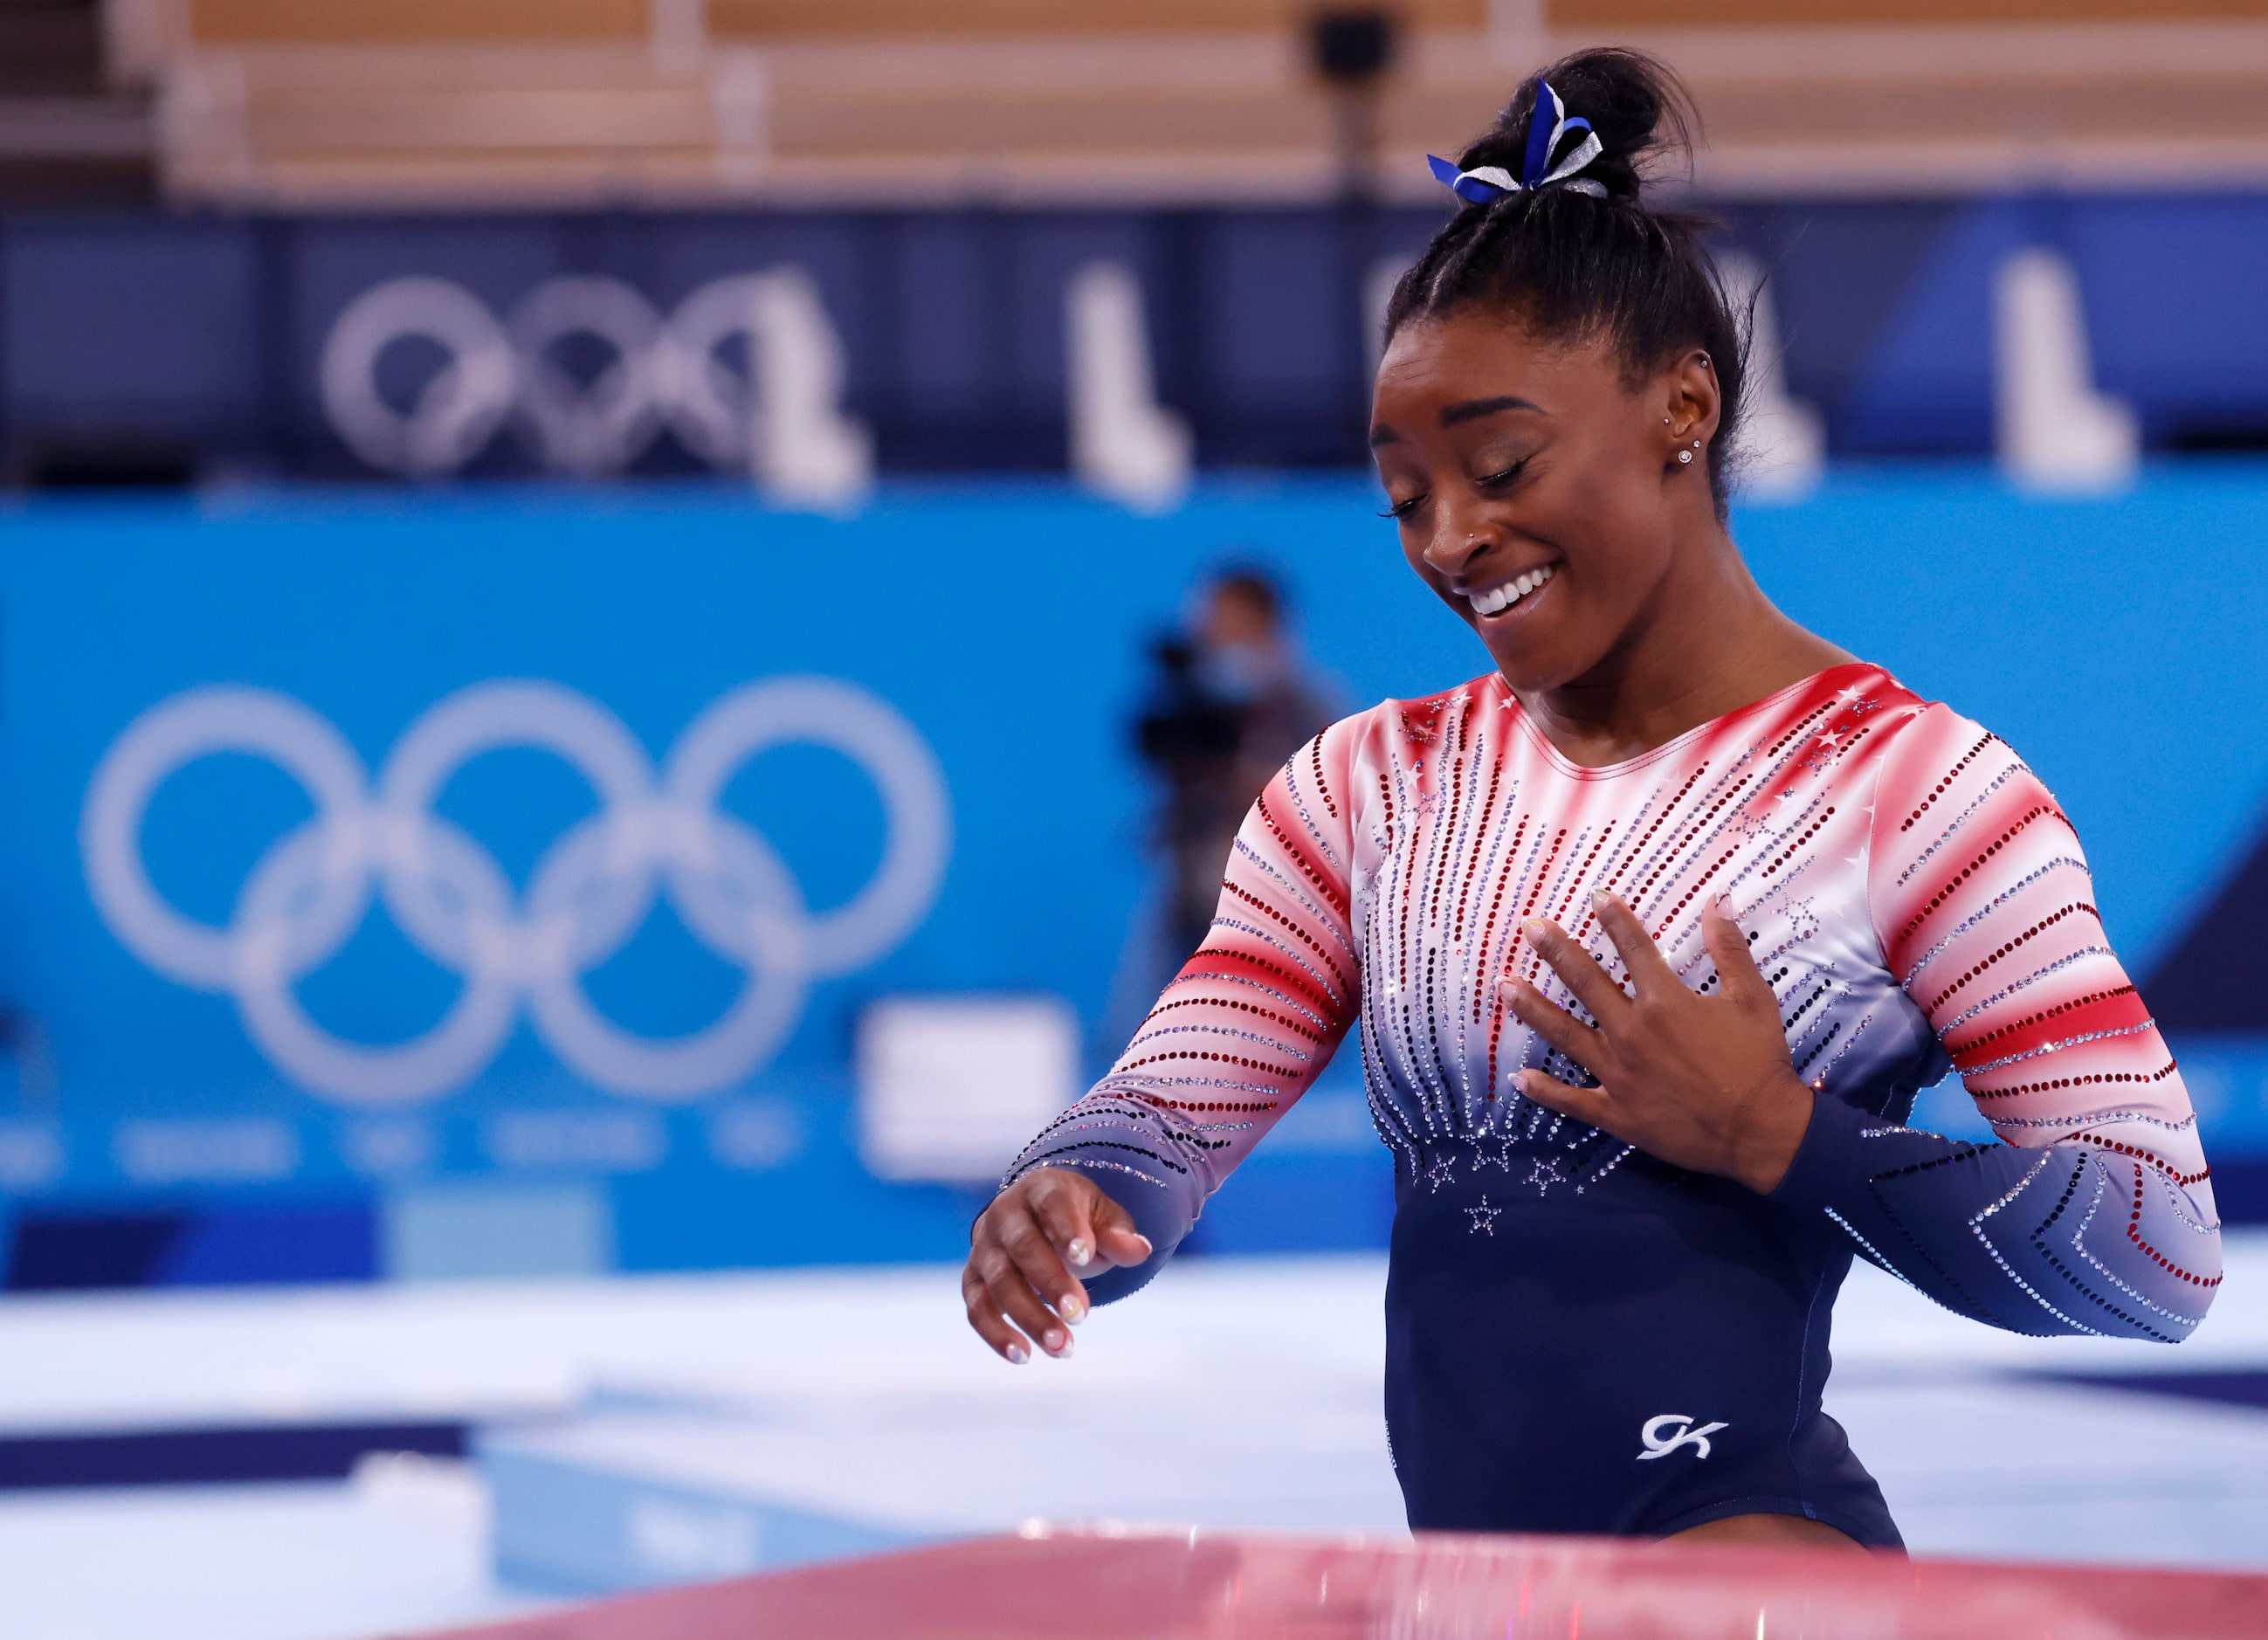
(2068, 1238)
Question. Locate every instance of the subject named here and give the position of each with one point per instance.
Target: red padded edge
(1165, 1585)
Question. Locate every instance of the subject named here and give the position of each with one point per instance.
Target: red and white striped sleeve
(2093, 1215)
(1242, 1030)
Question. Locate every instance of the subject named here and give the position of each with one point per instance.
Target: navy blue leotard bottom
(1640, 1358)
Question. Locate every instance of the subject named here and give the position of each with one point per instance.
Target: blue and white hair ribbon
(1483, 185)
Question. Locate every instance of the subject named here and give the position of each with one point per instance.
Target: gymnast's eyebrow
(1470, 410)
(1473, 410)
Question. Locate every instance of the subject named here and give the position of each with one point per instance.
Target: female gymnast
(1652, 935)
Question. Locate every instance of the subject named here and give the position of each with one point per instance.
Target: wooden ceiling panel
(406, 22)
(762, 20)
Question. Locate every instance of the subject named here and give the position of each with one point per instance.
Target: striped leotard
(1581, 1338)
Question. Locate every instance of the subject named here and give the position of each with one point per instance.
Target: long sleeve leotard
(1581, 1337)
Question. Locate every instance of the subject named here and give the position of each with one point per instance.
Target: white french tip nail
(1017, 1356)
(1080, 1255)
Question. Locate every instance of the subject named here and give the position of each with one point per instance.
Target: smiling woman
(1668, 918)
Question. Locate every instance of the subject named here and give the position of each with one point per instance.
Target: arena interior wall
(203, 1086)
(200, 340)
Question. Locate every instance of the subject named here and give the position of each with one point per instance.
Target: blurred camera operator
(1230, 702)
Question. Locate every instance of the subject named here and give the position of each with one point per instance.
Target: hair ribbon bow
(1485, 184)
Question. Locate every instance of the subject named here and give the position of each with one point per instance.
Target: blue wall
(2121, 645)
(204, 336)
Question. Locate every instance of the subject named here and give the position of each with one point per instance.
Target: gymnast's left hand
(1701, 1082)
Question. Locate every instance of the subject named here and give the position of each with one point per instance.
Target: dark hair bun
(1639, 108)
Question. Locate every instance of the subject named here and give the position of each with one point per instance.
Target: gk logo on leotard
(1659, 1442)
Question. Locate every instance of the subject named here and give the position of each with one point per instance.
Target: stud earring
(1684, 456)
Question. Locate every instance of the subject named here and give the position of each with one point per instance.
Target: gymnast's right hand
(1018, 1283)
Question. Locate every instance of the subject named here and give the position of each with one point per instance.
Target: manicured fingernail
(1600, 897)
(1058, 1341)
(1071, 1307)
(1146, 1248)
(1017, 1356)
(1080, 1254)
(1535, 928)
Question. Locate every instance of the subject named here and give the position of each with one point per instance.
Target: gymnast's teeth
(1495, 600)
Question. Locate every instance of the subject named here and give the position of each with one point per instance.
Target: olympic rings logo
(658, 373)
(653, 833)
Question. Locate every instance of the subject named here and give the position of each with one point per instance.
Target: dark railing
(158, 348)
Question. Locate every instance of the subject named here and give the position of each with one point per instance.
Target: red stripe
(2082, 1016)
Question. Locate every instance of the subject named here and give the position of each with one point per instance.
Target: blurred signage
(950, 1088)
(656, 833)
(640, 374)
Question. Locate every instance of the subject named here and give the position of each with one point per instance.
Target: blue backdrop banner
(396, 847)
(522, 342)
